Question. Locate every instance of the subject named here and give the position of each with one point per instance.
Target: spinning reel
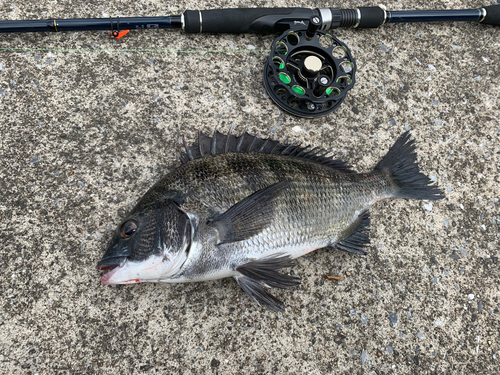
(309, 71)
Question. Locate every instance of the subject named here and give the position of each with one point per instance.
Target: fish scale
(243, 207)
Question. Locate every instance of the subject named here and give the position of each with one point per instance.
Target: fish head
(148, 246)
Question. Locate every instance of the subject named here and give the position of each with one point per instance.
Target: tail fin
(401, 164)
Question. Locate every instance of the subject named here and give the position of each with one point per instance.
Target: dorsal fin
(221, 143)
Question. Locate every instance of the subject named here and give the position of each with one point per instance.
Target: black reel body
(309, 72)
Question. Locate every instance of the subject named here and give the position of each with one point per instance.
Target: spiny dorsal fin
(221, 143)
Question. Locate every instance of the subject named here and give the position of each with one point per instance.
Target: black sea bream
(243, 207)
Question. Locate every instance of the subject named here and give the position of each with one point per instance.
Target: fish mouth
(112, 265)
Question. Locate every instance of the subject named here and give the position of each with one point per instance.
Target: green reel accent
(285, 78)
(299, 90)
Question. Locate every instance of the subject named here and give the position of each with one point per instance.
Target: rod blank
(434, 15)
(83, 24)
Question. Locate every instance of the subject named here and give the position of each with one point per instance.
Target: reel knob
(321, 85)
(314, 24)
(309, 71)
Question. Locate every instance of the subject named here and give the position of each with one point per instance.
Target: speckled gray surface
(88, 123)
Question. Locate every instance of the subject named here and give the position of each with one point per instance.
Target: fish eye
(128, 228)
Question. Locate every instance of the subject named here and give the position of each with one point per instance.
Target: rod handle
(244, 20)
(492, 15)
(371, 17)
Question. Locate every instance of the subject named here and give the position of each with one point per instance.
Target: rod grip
(371, 17)
(243, 20)
(492, 15)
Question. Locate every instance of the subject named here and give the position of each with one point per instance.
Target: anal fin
(256, 275)
(357, 237)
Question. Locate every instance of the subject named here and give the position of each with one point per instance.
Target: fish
(245, 207)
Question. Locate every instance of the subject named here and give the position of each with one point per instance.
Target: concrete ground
(89, 123)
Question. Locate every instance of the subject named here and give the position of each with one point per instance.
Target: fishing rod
(258, 20)
(309, 70)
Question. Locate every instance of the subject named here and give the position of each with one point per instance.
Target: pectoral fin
(249, 217)
(256, 275)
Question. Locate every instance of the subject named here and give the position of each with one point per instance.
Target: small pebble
(393, 319)
(420, 335)
(363, 357)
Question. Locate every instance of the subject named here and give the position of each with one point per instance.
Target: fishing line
(129, 50)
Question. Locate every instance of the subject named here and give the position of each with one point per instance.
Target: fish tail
(400, 164)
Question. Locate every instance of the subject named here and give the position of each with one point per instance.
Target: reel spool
(309, 72)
